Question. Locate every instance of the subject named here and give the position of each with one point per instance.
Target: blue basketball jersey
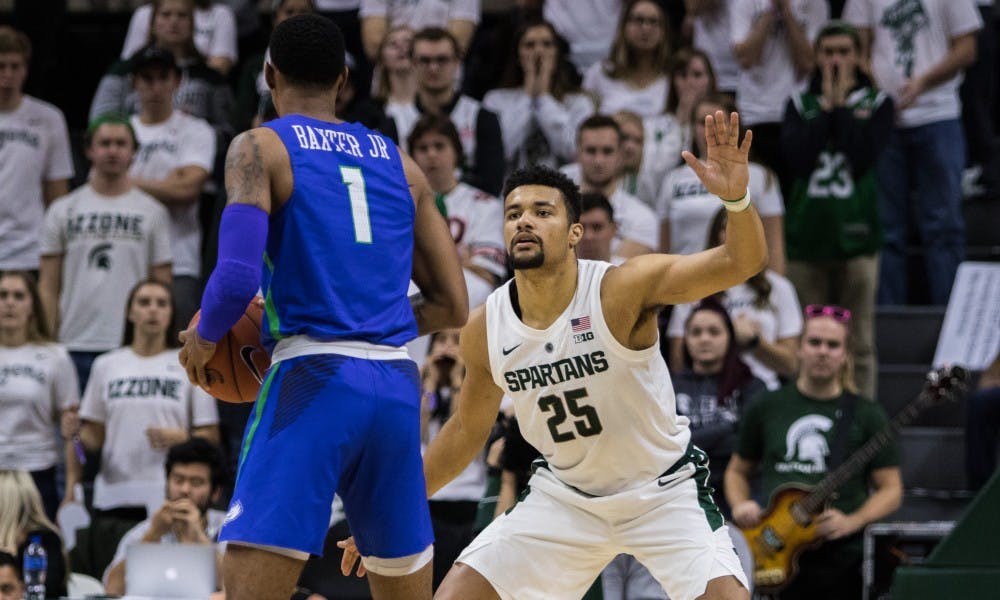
(339, 252)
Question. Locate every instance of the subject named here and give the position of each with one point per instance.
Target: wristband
(738, 205)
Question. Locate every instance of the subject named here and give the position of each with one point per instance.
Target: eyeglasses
(440, 60)
(837, 313)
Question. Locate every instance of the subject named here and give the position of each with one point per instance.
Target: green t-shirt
(789, 435)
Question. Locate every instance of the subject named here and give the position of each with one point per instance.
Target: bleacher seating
(933, 446)
(982, 238)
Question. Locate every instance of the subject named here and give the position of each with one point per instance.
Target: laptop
(170, 570)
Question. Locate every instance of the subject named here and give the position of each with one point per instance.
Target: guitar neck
(814, 501)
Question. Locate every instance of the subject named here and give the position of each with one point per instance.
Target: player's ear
(269, 77)
(342, 79)
(575, 234)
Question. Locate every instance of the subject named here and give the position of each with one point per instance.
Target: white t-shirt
(214, 31)
(711, 36)
(108, 245)
(635, 220)
(34, 147)
(765, 87)
(476, 222)
(908, 38)
(418, 14)
(181, 140)
(625, 429)
(538, 130)
(614, 95)
(691, 208)
(129, 393)
(781, 318)
(213, 523)
(663, 140)
(37, 382)
(587, 25)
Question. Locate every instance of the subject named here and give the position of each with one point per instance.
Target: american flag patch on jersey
(580, 323)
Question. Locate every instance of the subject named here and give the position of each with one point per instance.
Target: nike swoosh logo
(507, 351)
(665, 480)
(246, 353)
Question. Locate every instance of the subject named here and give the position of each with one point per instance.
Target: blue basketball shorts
(326, 423)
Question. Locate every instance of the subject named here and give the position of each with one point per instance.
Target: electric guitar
(787, 526)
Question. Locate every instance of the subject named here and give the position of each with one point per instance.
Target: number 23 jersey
(603, 416)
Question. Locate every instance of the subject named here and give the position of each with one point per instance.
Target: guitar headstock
(944, 385)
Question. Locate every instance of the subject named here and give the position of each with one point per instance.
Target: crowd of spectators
(857, 135)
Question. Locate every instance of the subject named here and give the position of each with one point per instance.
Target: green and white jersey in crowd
(833, 213)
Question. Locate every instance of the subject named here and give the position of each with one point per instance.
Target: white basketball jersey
(603, 416)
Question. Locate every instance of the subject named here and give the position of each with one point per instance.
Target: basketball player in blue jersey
(331, 220)
(574, 344)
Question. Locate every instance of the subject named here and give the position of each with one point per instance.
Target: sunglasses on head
(837, 313)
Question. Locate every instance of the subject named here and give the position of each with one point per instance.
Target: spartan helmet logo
(805, 441)
(100, 257)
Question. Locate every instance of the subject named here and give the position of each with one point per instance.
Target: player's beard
(534, 261)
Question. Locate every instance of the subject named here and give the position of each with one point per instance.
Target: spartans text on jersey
(567, 369)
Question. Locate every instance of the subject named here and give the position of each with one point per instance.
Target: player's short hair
(838, 27)
(542, 175)
(14, 41)
(436, 34)
(308, 50)
(593, 200)
(598, 122)
(109, 119)
(198, 450)
(442, 125)
(9, 560)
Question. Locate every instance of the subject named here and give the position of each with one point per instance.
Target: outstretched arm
(436, 268)
(465, 433)
(662, 279)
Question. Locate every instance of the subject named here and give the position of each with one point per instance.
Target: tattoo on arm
(246, 180)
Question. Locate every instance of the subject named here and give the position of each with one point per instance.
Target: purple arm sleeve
(236, 278)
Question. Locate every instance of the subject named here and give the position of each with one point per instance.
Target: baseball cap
(153, 56)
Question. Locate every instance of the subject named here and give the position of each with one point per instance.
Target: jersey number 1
(589, 424)
(355, 183)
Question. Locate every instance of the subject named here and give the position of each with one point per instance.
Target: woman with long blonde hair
(634, 75)
(22, 518)
(37, 386)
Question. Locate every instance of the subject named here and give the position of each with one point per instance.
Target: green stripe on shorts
(705, 500)
(258, 413)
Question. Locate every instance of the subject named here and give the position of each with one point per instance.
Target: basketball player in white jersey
(574, 343)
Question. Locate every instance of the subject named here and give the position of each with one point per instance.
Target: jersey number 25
(586, 425)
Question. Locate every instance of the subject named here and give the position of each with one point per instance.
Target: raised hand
(725, 171)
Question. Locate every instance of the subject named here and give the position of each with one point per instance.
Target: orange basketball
(236, 370)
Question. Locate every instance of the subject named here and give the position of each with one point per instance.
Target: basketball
(236, 370)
